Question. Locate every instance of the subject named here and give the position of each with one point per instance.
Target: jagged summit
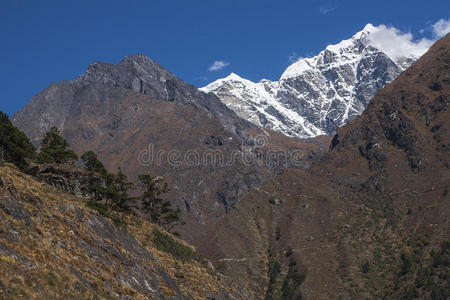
(137, 57)
(340, 53)
(234, 76)
(136, 72)
(315, 95)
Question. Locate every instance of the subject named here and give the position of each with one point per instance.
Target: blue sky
(45, 41)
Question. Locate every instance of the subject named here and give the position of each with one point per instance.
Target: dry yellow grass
(55, 256)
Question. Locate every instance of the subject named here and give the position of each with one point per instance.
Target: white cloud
(398, 44)
(326, 9)
(441, 28)
(293, 57)
(218, 64)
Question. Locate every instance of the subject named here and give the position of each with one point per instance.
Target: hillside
(370, 218)
(53, 247)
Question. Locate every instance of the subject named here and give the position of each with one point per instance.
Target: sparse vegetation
(168, 244)
(274, 271)
(292, 282)
(277, 233)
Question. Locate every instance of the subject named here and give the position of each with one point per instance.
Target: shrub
(277, 233)
(292, 282)
(365, 267)
(274, 271)
(289, 251)
(166, 243)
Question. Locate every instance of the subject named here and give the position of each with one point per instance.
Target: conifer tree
(121, 198)
(15, 147)
(159, 209)
(54, 149)
(92, 163)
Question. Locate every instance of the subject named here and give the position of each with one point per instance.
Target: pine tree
(159, 209)
(15, 147)
(92, 163)
(122, 201)
(54, 149)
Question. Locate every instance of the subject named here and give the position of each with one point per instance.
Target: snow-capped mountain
(314, 95)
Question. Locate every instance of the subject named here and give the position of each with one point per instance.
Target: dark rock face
(15, 209)
(54, 105)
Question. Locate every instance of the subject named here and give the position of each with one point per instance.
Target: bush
(166, 243)
(292, 282)
(274, 271)
(289, 251)
(365, 267)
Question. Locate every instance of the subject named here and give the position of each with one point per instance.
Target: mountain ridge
(122, 111)
(315, 95)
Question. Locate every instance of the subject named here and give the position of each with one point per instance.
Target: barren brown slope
(203, 190)
(370, 219)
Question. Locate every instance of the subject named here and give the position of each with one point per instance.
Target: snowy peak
(315, 95)
(231, 80)
(344, 51)
(234, 76)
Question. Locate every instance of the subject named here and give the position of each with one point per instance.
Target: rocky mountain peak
(316, 94)
(136, 72)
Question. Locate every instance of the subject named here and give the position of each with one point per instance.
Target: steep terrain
(370, 218)
(137, 73)
(53, 247)
(138, 116)
(315, 95)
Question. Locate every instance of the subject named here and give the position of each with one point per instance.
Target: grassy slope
(53, 247)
